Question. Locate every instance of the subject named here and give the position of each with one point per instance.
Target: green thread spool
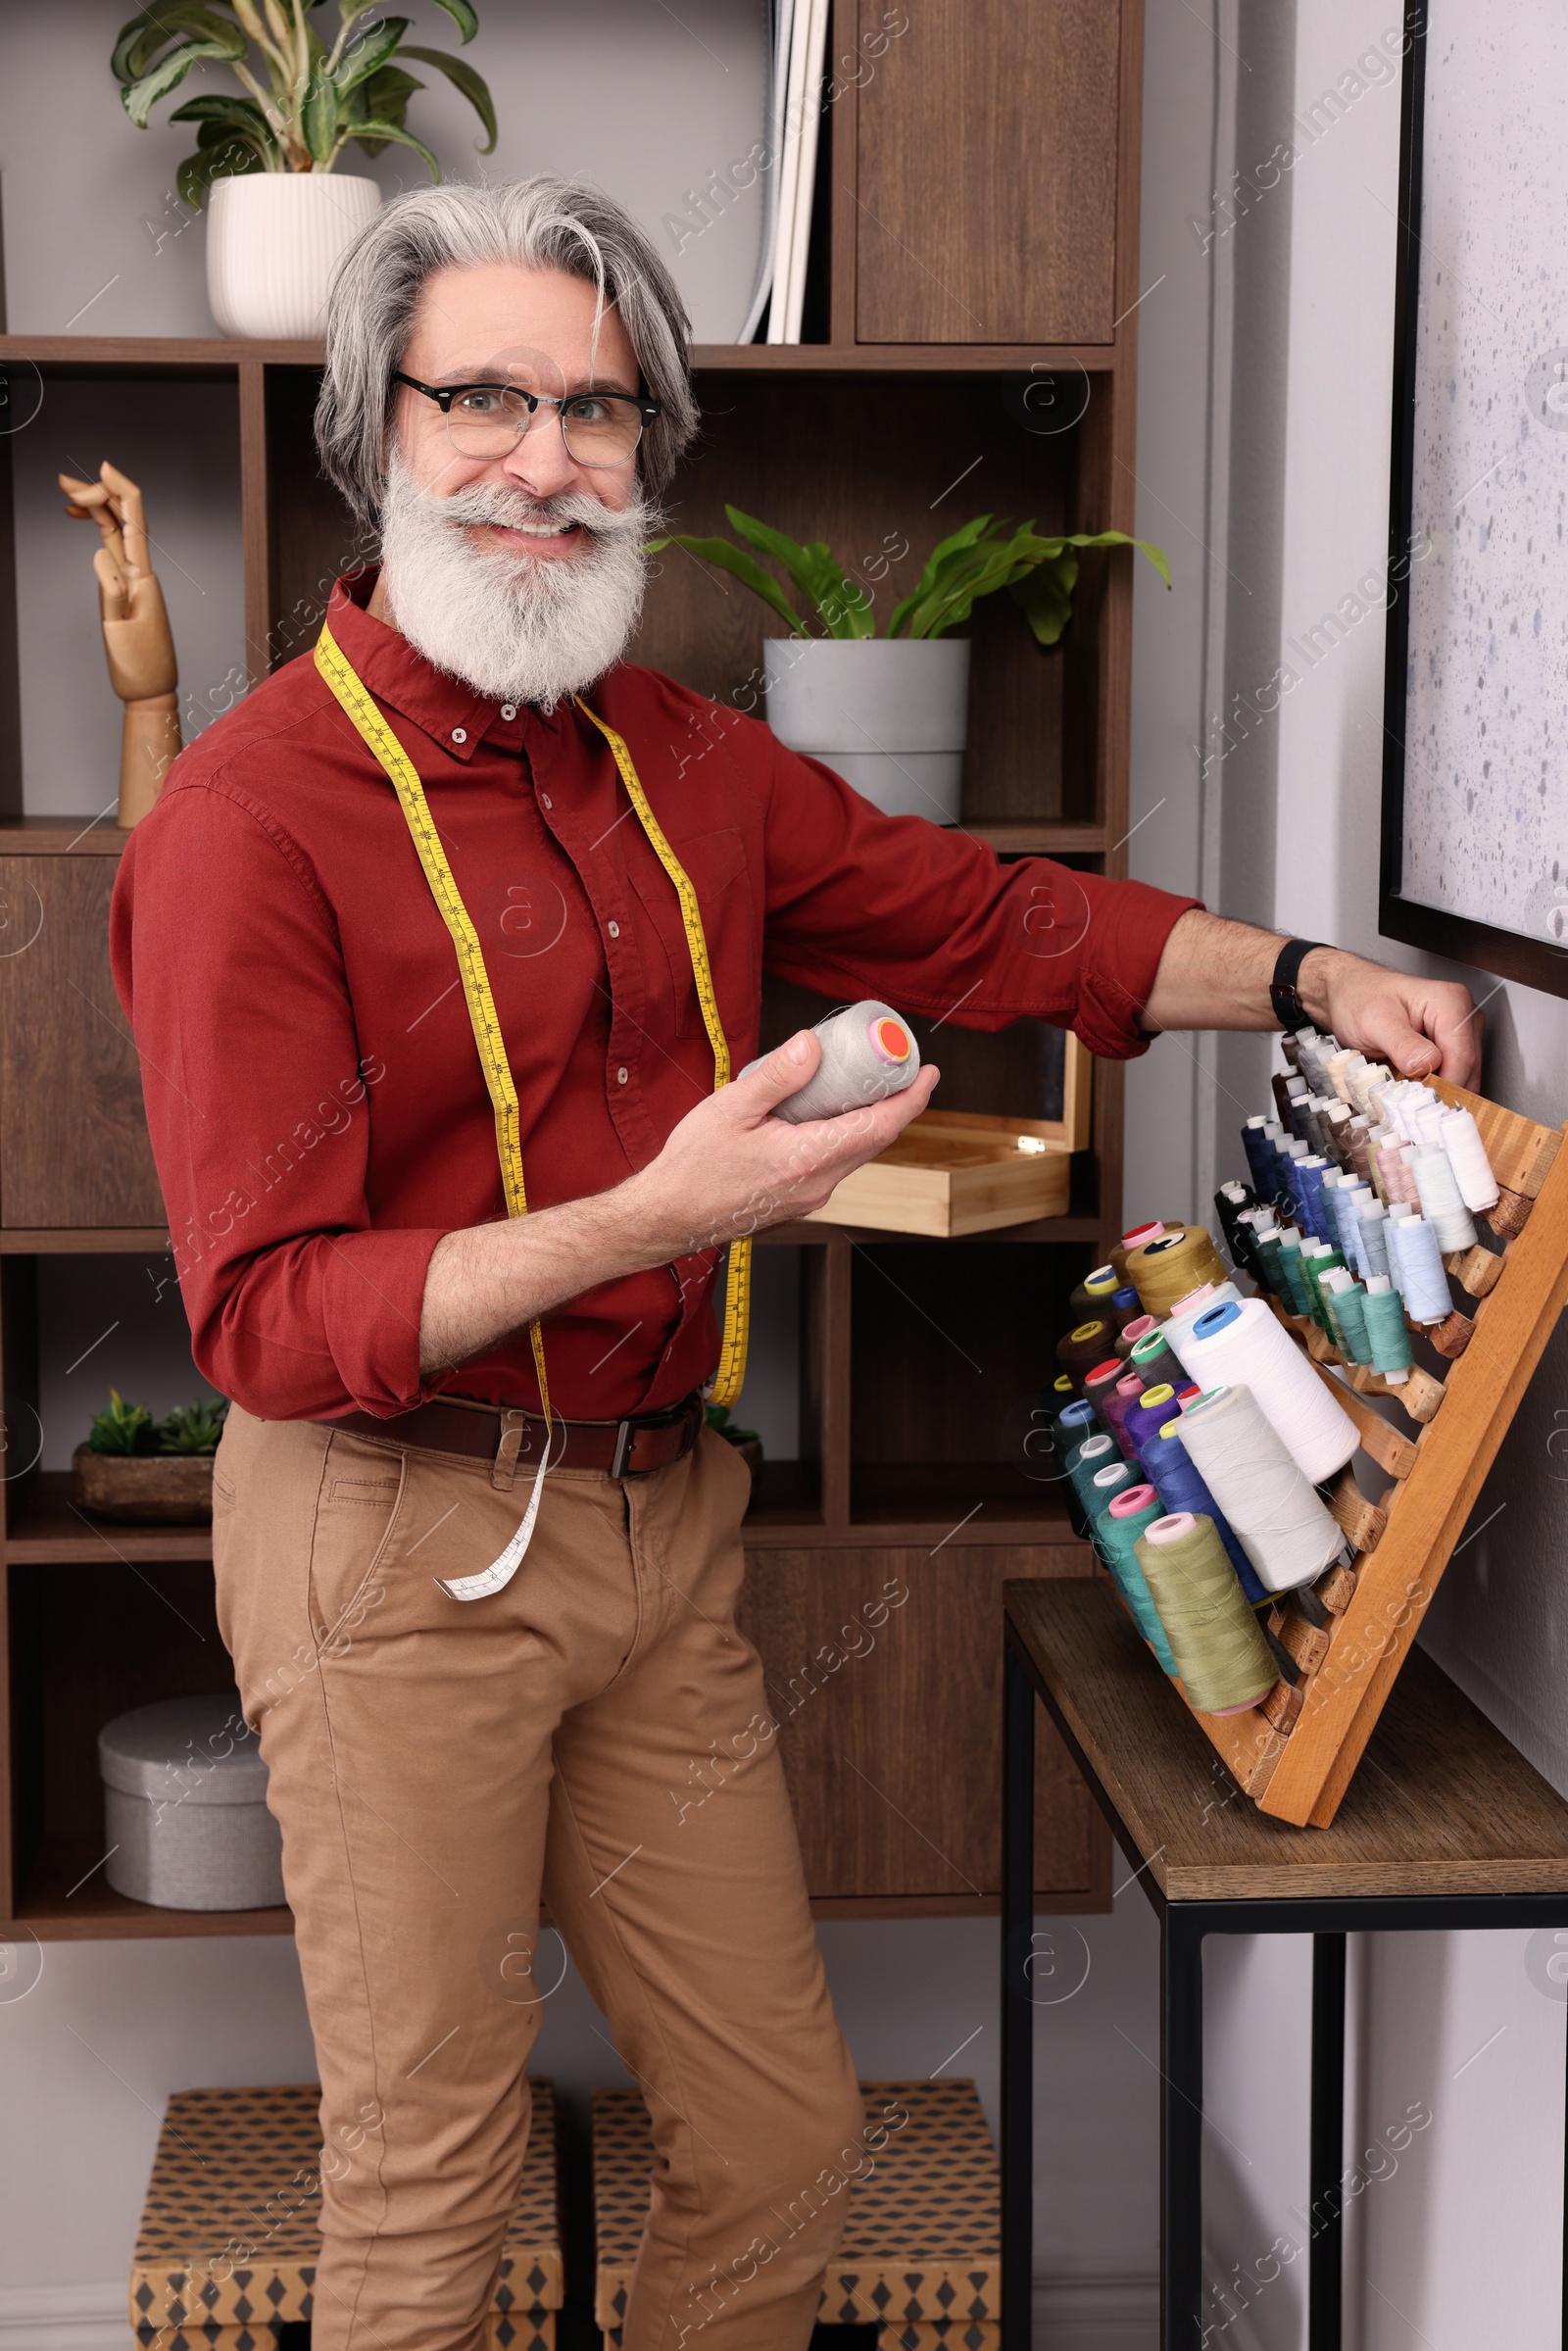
(1387, 1336)
(1347, 1305)
(1091, 1296)
(1115, 1473)
(1291, 1265)
(1313, 1268)
(1142, 1326)
(1093, 1453)
(1154, 1364)
(1269, 1258)
(1116, 1535)
(1224, 1662)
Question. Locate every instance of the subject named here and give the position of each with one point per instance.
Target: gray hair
(540, 224)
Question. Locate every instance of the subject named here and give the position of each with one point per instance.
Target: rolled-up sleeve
(260, 1097)
(858, 904)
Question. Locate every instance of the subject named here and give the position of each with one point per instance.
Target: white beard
(517, 627)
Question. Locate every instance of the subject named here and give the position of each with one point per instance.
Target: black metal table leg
(1017, 2014)
(1325, 2261)
(1181, 2128)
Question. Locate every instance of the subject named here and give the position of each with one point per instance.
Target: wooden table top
(1440, 1803)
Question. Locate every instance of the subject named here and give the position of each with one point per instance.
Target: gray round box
(186, 1807)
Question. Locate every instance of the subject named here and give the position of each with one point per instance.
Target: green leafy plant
(123, 1429)
(304, 101)
(717, 1417)
(1039, 572)
(193, 1428)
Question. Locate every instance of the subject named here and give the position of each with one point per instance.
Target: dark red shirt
(313, 1091)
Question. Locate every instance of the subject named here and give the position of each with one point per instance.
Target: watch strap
(1289, 1010)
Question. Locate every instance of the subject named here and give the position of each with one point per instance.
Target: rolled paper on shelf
(867, 1053)
(1153, 1360)
(1082, 1350)
(1180, 1487)
(1093, 1295)
(1125, 1306)
(1387, 1335)
(1129, 1334)
(1148, 1413)
(1180, 1327)
(1224, 1662)
(1440, 1204)
(1116, 1533)
(1426, 1284)
(1244, 1347)
(1165, 1270)
(1094, 1453)
(1099, 1383)
(1467, 1156)
(1112, 1408)
(1250, 1471)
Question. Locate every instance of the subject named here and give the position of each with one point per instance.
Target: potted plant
(279, 223)
(890, 713)
(146, 1471)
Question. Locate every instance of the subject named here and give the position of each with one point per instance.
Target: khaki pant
(434, 1763)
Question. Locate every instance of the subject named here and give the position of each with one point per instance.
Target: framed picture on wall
(1475, 789)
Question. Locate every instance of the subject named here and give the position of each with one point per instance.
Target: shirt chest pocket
(715, 865)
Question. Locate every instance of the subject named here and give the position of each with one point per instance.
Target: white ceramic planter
(273, 239)
(889, 715)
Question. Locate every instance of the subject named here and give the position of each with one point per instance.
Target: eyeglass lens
(599, 429)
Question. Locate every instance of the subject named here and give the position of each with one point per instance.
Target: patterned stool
(922, 2256)
(230, 2232)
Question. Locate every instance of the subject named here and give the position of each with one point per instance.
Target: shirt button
(509, 709)
(615, 930)
(459, 734)
(546, 800)
(620, 1077)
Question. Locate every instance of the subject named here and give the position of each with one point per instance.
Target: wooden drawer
(951, 1173)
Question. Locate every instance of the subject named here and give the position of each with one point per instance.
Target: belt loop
(503, 1468)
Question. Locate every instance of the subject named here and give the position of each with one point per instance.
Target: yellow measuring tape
(362, 711)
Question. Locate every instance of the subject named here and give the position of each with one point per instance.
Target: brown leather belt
(627, 1448)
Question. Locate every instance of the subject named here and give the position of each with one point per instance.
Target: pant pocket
(358, 1518)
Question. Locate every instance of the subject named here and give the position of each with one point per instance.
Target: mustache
(480, 503)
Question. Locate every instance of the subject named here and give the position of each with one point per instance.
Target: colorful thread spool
(1099, 1383)
(1387, 1335)
(1113, 1407)
(1097, 1451)
(1139, 1328)
(1082, 1350)
(1426, 1282)
(1126, 1306)
(1440, 1205)
(1150, 1414)
(1180, 1487)
(1347, 1300)
(1244, 1347)
(1093, 1295)
(1248, 1468)
(1135, 1239)
(1153, 1360)
(1116, 1530)
(1467, 1154)
(1225, 1664)
(1165, 1270)
(1181, 1326)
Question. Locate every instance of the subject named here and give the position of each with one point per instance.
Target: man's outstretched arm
(1215, 974)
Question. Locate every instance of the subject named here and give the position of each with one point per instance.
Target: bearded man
(443, 924)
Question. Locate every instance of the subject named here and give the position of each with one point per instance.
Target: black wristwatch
(1289, 1010)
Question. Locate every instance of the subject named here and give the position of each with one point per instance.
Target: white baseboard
(65, 2318)
(1107, 2313)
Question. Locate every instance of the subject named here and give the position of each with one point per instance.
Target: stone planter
(164, 1490)
(273, 239)
(887, 714)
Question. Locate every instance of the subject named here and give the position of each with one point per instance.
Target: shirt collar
(451, 713)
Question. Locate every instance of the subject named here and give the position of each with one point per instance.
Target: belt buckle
(625, 1436)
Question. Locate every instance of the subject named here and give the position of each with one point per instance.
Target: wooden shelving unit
(981, 208)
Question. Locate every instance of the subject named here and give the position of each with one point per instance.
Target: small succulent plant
(193, 1428)
(123, 1427)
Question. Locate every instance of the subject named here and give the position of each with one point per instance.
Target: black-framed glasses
(487, 419)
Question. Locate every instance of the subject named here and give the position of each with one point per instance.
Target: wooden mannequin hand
(137, 638)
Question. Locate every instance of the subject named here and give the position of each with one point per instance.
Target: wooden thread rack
(1348, 1634)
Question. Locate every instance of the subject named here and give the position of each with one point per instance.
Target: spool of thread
(1097, 1451)
(1426, 1284)
(1398, 1214)
(1149, 1414)
(1387, 1336)
(1082, 1350)
(1426, 1120)
(1270, 1270)
(867, 1053)
(1073, 1424)
(1467, 1156)
(1346, 1299)
(1291, 1266)
(1180, 1327)
(1440, 1204)
(1323, 1261)
(1373, 1074)
(1244, 1347)
(1336, 1132)
(1224, 1662)
(1113, 1408)
(1231, 1202)
(1093, 1295)
(1106, 1483)
(1251, 1473)
(1188, 1395)
(1153, 1360)
(1165, 1270)
(1128, 1337)
(1099, 1385)
(1254, 1142)
(1125, 1306)
(1176, 1480)
(1280, 1085)
(1373, 1219)
(1116, 1533)
(1132, 1239)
